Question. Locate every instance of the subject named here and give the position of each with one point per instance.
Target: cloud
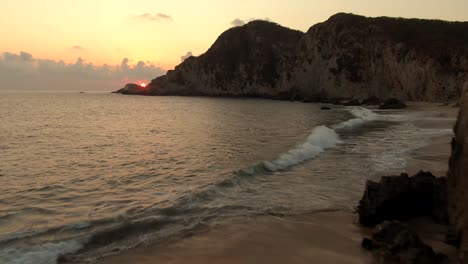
(237, 22)
(240, 22)
(23, 71)
(186, 56)
(77, 48)
(154, 18)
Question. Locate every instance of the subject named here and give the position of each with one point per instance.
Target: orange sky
(161, 31)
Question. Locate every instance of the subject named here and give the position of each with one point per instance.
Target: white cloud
(186, 56)
(240, 22)
(154, 18)
(23, 71)
(237, 22)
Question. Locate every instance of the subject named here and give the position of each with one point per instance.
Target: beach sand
(324, 237)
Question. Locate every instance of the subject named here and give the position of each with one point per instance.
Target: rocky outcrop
(402, 198)
(346, 57)
(393, 242)
(134, 89)
(243, 61)
(458, 181)
(392, 103)
(357, 57)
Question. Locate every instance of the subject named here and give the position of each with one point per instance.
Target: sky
(108, 42)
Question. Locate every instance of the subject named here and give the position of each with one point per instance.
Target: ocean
(94, 174)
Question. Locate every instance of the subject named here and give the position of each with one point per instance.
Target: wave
(362, 115)
(45, 253)
(320, 139)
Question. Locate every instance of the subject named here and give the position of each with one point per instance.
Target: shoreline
(327, 237)
(323, 237)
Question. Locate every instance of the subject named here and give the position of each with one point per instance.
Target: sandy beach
(327, 237)
(320, 237)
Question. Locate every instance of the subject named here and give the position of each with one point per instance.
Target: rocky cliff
(458, 180)
(348, 56)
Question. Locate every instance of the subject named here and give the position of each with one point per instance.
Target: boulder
(373, 100)
(402, 198)
(353, 102)
(392, 103)
(394, 242)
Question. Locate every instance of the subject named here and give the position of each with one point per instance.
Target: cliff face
(354, 56)
(458, 178)
(244, 61)
(347, 56)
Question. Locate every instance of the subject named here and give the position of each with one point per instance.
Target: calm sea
(98, 173)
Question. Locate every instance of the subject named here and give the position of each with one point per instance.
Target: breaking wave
(320, 139)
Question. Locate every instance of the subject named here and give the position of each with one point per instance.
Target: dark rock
(325, 108)
(373, 100)
(393, 242)
(392, 103)
(133, 89)
(403, 197)
(457, 181)
(456, 104)
(308, 100)
(368, 244)
(354, 102)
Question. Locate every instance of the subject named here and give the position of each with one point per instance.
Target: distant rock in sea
(347, 57)
(132, 88)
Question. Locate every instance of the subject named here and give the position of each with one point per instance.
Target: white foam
(41, 254)
(362, 115)
(319, 140)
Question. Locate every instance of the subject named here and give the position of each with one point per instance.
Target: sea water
(97, 173)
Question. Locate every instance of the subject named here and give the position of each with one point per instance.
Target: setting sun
(143, 85)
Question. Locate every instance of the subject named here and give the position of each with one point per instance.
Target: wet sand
(325, 237)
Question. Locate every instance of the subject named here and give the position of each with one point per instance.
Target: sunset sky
(159, 32)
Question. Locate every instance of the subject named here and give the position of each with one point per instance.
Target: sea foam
(362, 115)
(46, 253)
(320, 139)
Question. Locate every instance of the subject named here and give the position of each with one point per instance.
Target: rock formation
(392, 103)
(458, 181)
(402, 198)
(346, 57)
(393, 242)
(135, 89)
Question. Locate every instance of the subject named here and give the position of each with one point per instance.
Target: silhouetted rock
(402, 198)
(325, 108)
(392, 103)
(393, 242)
(353, 102)
(133, 89)
(458, 181)
(373, 100)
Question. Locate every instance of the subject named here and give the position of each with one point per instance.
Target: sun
(143, 85)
